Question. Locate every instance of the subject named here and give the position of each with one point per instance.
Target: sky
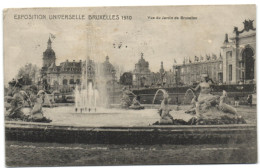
(160, 40)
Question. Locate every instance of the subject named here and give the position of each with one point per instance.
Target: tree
(28, 74)
(126, 79)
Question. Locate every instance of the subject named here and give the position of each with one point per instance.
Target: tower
(226, 38)
(107, 58)
(162, 69)
(48, 55)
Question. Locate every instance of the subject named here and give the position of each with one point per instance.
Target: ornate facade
(142, 73)
(143, 77)
(99, 74)
(190, 73)
(62, 77)
(239, 63)
(235, 66)
(69, 73)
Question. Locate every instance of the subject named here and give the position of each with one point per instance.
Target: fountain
(164, 110)
(48, 101)
(186, 95)
(86, 99)
(165, 94)
(91, 92)
(89, 125)
(86, 93)
(130, 126)
(209, 112)
(127, 103)
(22, 106)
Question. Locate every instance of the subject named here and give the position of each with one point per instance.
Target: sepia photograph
(132, 85)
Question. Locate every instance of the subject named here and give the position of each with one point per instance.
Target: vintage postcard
(130, 85)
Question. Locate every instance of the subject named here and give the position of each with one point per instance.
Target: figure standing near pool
(249, 100)
(205, 97)
(36, 112)
(207, 100)
(205, 89)
(125, 100)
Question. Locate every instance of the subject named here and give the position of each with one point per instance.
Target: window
(65, 82)
(230, 72)
(229, 54)
(220, 66)
(71, 81)
(55, 82)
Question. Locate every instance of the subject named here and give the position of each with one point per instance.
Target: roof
(49, 52)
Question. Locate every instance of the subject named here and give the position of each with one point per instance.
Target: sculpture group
(19, 99)
(205, 109)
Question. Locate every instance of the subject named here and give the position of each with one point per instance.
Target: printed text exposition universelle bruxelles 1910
(70, 17)
(93, 17)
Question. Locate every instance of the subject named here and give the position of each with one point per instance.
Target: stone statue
(14, 101)
(248, 25)
(36, 113)
(125, 100)
(206, 108)
(136, 105)
(164, 112)
(205, 97)
(19, 99)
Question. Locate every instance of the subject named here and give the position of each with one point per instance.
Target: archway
(65, 82)
(71, 81)
(56, 85)
(143, 81)
(249, 63)
(78, 81)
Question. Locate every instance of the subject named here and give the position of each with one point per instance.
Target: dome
(108, 67)
(49, 53)
(142, 62)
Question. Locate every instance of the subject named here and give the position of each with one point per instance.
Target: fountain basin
(181, 134)
(117, 126)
